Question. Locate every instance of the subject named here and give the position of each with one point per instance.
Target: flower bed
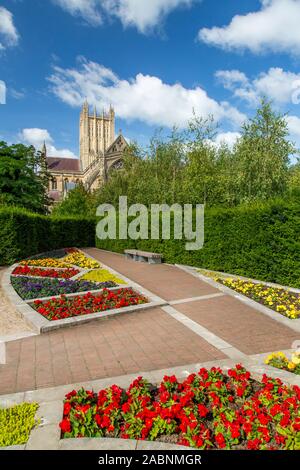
(278, 299)
(63, 307)
(52, 254)
(45, 263)
(102, 275)
(32, 288)
(79, 259)
(281, 361)
(38, 272)
(209, 410)
(16, 424)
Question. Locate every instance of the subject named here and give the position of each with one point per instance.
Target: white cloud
(275, 27)
(143, 14)
(37, 137)
(278, 85)
(2, 92)
(229, 138)
(146, 98)
(87, 9)
(294, 127)
(17, 94)
(231, 78)
(8, 33)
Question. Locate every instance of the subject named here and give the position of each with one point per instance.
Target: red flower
(220, 440)
(275, 410)
(71, 394)
(65, 425)
(263, 419)
(202, 410)
(235, 432)
(254, 444)
(126, 407)
(247, 427)
(67, 408)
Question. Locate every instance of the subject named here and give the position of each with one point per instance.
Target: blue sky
(154, 61)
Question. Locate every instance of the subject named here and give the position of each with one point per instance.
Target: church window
(54, 184)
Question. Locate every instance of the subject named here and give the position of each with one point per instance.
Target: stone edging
(292, 324)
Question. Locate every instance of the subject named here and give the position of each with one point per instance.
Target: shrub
(16, 424)
(23, 233)
(259, 241)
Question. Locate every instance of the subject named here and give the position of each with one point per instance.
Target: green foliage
(78, 203)
(260, 241)
(23, 234)
(187, 167)
(294, 178)
(263, 155)
(23, 177)
(16, 424)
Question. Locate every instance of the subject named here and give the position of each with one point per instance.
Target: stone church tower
(100, 152)
(96, 134)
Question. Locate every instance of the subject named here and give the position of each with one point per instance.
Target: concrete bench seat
(144, 256)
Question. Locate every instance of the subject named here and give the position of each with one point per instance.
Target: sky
(154, 61)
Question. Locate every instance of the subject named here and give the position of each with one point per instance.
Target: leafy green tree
(78, 202)
(294, 178)
(263, 155)
(23, 177)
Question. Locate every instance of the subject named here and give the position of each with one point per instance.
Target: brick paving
(168, 282)
(140, 341)
(245, 328)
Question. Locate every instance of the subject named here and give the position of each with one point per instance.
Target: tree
(23, 177)
(78, 202)
(201, 159)
(294, 178)
(263, 155)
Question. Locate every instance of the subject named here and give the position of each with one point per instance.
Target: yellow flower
(296, 359)
(291, 366)
(45, 263)
(79, 259)
(101, 275)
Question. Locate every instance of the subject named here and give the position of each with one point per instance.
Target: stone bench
(144, 256)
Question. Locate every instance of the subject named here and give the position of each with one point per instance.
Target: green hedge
(259, 241)
(23, 234)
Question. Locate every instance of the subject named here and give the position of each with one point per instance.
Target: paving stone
(153, 348)
(97, 444)
(168, 282)
(44, 438)
(240, 325)
(50, 412)
(17, 447)
(147, 445)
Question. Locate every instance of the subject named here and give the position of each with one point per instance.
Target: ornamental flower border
(47, 435)
(208, 410)
(41, 325)
(199, 273)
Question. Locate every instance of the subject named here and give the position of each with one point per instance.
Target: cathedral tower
(96, 134)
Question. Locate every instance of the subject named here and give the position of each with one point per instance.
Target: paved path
(166, 281)
(10, 322)
(201, 324)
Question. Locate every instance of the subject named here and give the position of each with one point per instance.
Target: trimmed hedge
(260, 241)
(23, 234)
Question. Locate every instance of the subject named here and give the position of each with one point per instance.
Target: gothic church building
(100, 152)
